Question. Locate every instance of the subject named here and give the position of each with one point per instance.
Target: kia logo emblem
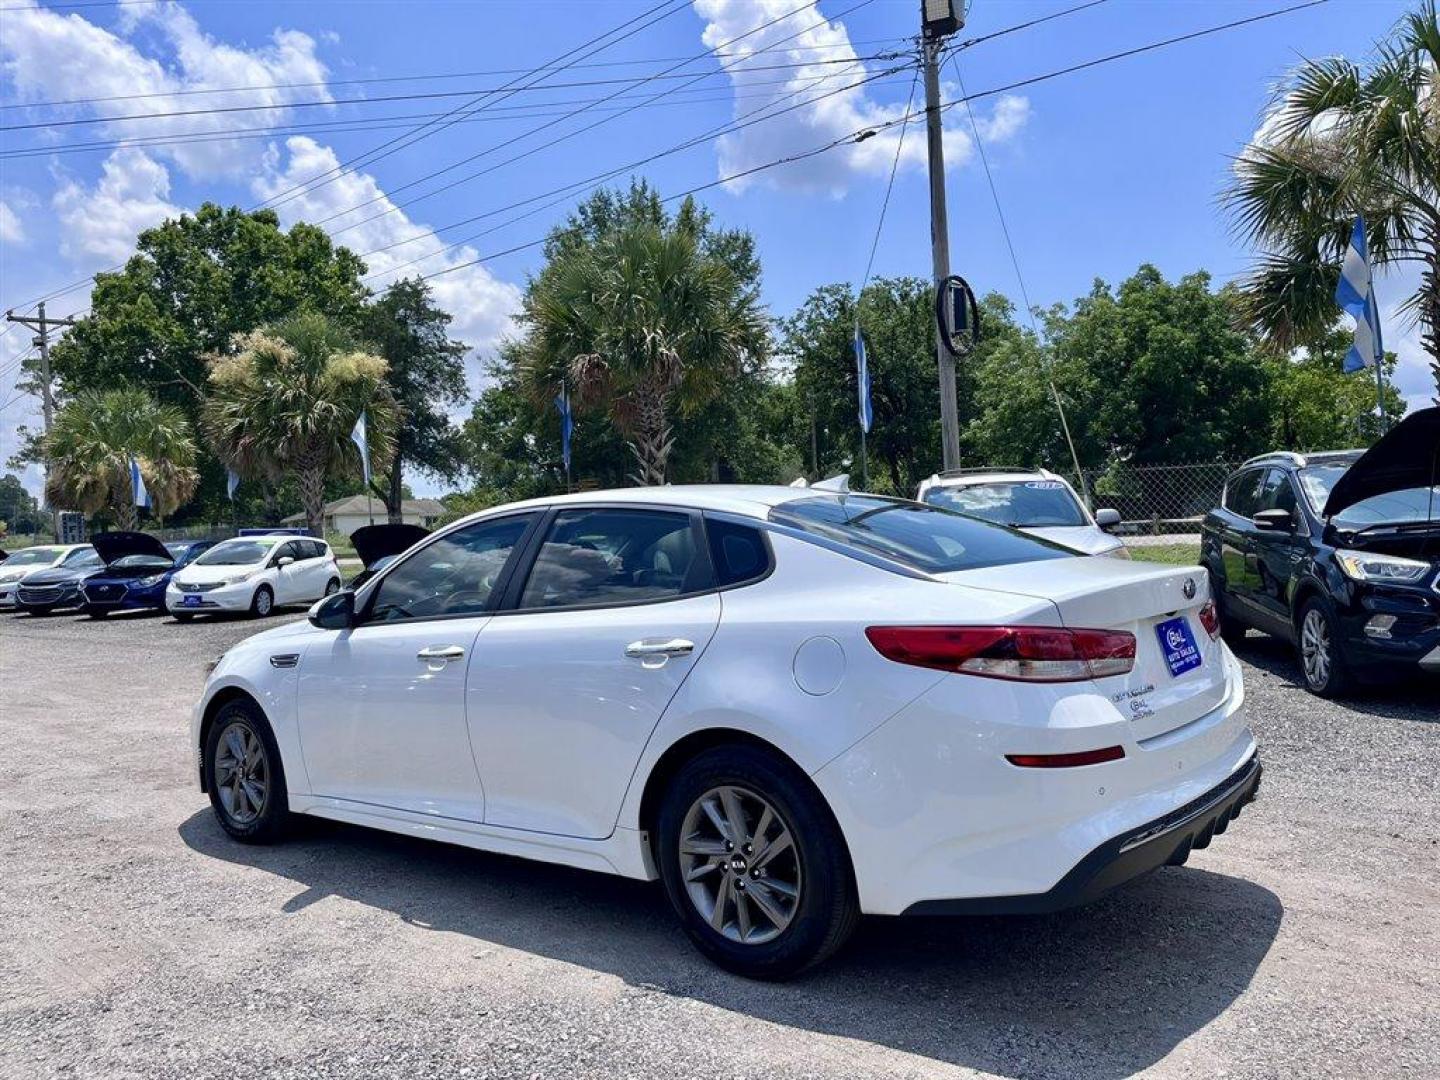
(1189, 588)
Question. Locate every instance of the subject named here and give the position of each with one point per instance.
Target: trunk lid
(1167, 688)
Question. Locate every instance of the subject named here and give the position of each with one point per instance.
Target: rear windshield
(1031, 503)
(917, 535)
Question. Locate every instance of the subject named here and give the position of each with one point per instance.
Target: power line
(380, 79)
(536, 110)
(389, 195)
(1026, 25)
(428, 95)
(889, 186)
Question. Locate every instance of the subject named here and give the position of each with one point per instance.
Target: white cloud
(837, 115)
(483, 305)
(11, 230)
(102, 222)
(46, 55)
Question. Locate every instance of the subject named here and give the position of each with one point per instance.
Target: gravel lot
(138, 941)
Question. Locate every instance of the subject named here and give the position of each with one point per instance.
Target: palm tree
(95, 437)
(1342, 140)
(286, 399)
(643, 322)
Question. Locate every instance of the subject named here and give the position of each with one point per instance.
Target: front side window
(1027, 503)
(923, 537)
(1275, 492)
(454, 575)
(595, 557)
(236, 553)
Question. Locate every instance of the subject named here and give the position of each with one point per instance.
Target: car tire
(252, 802)
(1322, 664)
(263, 602)
(809, 885)
(1231, 628)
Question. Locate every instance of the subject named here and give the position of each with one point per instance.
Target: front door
(290, 578)
(564, 691)
(382, 705)
(1278, 553)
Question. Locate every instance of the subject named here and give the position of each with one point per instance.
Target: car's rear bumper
(1165, 841)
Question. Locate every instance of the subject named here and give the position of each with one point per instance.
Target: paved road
(138, 941)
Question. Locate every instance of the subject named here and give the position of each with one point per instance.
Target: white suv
(1039, 502)
(254, 574)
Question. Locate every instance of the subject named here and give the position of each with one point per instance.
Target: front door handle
(658, 648)
(444, 653)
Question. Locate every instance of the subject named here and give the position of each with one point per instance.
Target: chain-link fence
(1159, 500)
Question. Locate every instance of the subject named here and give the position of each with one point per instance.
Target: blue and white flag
(862, 382)
(138, 492)
(232, 481)
(361, 438)
(1356, 295)
(567, 425)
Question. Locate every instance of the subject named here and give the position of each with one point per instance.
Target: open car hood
(116, 545)
(1406, 456)
(376, 541)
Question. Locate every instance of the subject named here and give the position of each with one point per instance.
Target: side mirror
(1107, 519)
(1274, 520)
(334, 612)
(284, 560)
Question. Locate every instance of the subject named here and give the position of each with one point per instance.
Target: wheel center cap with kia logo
(737, 864)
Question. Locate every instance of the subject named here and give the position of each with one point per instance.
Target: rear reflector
(1066, 761)
(1020, 653)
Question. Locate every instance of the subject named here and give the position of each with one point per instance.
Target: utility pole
(939, 19)
(41, 325)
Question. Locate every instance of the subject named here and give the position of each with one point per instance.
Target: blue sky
(1098, 171)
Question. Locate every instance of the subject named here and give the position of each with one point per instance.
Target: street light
(941, 18)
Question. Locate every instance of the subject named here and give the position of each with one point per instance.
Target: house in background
(345, 515)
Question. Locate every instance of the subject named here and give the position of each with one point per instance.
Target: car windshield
(236, 553)
(926, 538)
(1394, 507)
(1028, 503)
(131, 562)
(82, 559)
(32, 557)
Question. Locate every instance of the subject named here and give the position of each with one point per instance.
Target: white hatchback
(790, 705)
(254, 574)
(1040, 502)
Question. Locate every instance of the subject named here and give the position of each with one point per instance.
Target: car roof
(747, 500)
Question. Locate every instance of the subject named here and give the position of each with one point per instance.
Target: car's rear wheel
(245, 775)
(1321, 661)
(263, 602)
(754, 864)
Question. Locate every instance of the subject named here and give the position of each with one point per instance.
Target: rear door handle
(655, 648)
(443, 653)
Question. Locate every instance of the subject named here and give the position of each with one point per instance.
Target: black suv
(1337, 552)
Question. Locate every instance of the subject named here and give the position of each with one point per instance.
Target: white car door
(315, 568)
(382, 705)
(564, 690)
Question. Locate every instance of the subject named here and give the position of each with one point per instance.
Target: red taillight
(1210, 618)
(1024, 653)
(1066, 761)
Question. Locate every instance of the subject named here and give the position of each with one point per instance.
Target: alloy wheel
(739, 865)
(242, 773)
(263, 602)
(1315, 647)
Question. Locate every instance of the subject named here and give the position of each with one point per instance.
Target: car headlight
(1380, 569)
(6, 579)
(151, 581)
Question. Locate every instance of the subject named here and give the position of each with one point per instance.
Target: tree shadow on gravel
(1111, 988)
(1413, 698)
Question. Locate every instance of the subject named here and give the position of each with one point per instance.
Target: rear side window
(593, 557)
(738, 552)
(923, 537)
(1241, 492)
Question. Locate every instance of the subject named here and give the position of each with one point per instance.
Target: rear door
(567, 685)
(1237, 536)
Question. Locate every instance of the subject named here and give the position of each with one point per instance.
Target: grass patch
(1173, 554)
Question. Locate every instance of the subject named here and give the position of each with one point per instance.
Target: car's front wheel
(1321, 660)
(263, 602)
(754, 864)
(245, 775)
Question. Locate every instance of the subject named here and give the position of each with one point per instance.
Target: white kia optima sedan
(254, 574)
(790, 705)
